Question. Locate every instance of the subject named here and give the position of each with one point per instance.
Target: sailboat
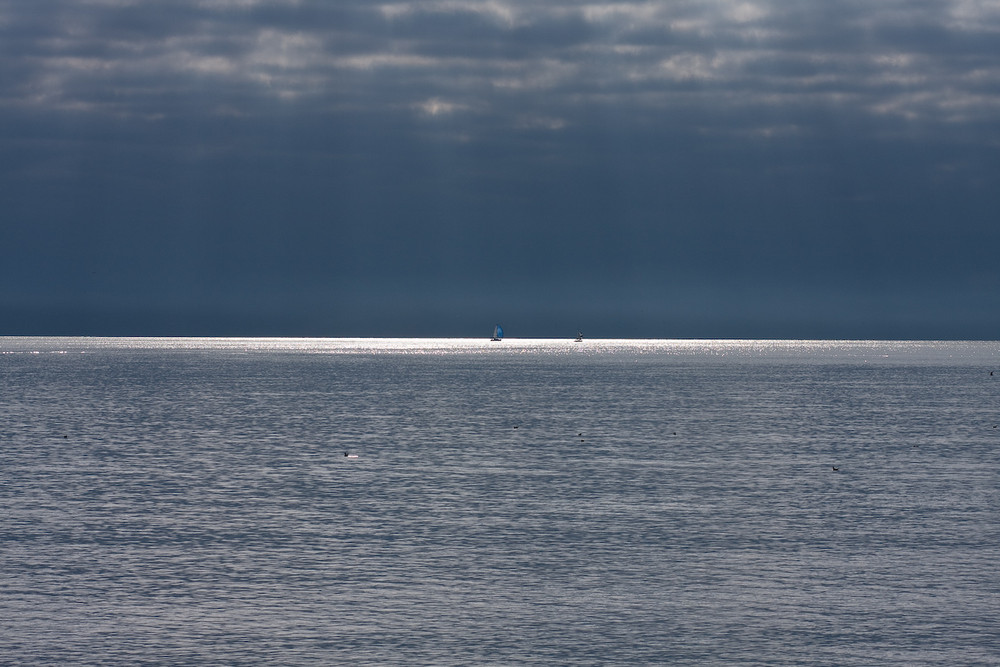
(497, 333)
(579, 337)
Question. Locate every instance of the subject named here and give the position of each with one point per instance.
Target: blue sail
(497, 332)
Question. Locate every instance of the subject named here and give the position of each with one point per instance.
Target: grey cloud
(628, 53)
(181, 150)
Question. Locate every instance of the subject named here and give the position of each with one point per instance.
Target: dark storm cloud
(648, 163)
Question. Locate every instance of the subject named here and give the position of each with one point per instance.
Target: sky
(674, 169)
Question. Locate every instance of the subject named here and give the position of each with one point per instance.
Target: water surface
(523, 502)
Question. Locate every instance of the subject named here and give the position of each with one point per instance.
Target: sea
(525, 502)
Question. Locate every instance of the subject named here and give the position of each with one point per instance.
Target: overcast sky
(768, 168)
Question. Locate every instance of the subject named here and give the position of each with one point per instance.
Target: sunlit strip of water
(865, 351)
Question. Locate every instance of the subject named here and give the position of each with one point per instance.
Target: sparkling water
(512, 503)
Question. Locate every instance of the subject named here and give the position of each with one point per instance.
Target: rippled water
(523, 502)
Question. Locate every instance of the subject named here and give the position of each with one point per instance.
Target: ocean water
(517, 503)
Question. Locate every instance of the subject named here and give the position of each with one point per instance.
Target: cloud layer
(709, 153)
(522, 63)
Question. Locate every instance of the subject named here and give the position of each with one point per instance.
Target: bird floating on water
(350, 456)
(835, 468)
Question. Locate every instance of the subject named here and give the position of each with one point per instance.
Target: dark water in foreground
(528, 502)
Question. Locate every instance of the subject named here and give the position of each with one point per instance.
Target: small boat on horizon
(497, 333)
(579, 337)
